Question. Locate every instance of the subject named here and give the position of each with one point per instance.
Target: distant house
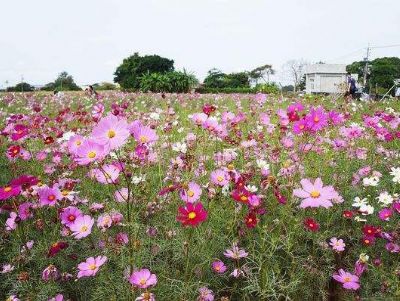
(326, 78)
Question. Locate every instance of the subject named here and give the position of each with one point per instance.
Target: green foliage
(268, 88)
(64, 82)
(383, 71)
(133, 68)
(21, 87)
(171, 82)
(105, 86)
(220, 80)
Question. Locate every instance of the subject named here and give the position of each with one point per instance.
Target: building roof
(326, 68)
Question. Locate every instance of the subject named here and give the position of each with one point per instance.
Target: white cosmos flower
(366, 209)
(359, 202)
(180, 147)
(395, 172)
(385, 199)
(251, 188)
(262, 164)
(154, 116)
(371, 181)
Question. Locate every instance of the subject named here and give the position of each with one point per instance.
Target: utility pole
(366, 60)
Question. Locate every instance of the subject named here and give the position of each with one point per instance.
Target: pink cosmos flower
(69, 215)
(315, 194)
(91, 266)
(111, 132)
(143, 278)
(74, 143)
(121, 195)
(145, 134)
(348, 280)
(49, 196)
(24, 211)
(199, 118)
(11, 223)
(337, 244)
(82, 226)
(58, 297)
(192, 214)
(191, 193)
(220, 177)
(205, 294)
(20, 131)
(108, 174)
(235, 252)
(104, 222)
(300, 126)
(89, 152)
(218, 266)
(146, 296)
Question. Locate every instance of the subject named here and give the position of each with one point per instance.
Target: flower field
(198, 197)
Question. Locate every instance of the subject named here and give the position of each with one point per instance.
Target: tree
(216, 79)
(104, 86)
(129, 73)
(64, 82)
(172, 82)
(21, 87)
(382, 71)
(260, 73)
(294, 71)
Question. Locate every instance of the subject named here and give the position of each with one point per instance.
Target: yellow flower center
(346, 279)
(51, 197)
(301, 126)
(65, 192)
(143, 139)
(220, 178)
(111, 134)
(78, 142)
(315, 194)
(190, 193)
(243, 198)
(92, 266)
(142, 281)
(231, 167)
(192, 215)
(84, 228)
(7, 189)
(91, 154)
(316, 119)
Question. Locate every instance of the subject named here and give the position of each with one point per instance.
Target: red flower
(14, 151)
(347, 214)
(369, 230)
(208, 109)
(241, 195)
(48, 140)
(251, 220)
(311, 224)
(57, 247)
(191, 214)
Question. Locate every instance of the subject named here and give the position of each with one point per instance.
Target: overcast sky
(89, 38)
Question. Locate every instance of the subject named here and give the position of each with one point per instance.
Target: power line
(386, 46)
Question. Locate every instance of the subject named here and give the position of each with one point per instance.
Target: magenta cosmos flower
(218, 267)
(144, 134)
(82, 226)
(192, 214)
(348, 280)
(49, 196)
(143, 278)
(91, 266)
(69, 215)
(315, 194)
(190, 193)
(89, 152)
(317, 119)
(9, 191)
(220, 177)
(111, 132)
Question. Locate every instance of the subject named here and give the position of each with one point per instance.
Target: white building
(326, 78)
